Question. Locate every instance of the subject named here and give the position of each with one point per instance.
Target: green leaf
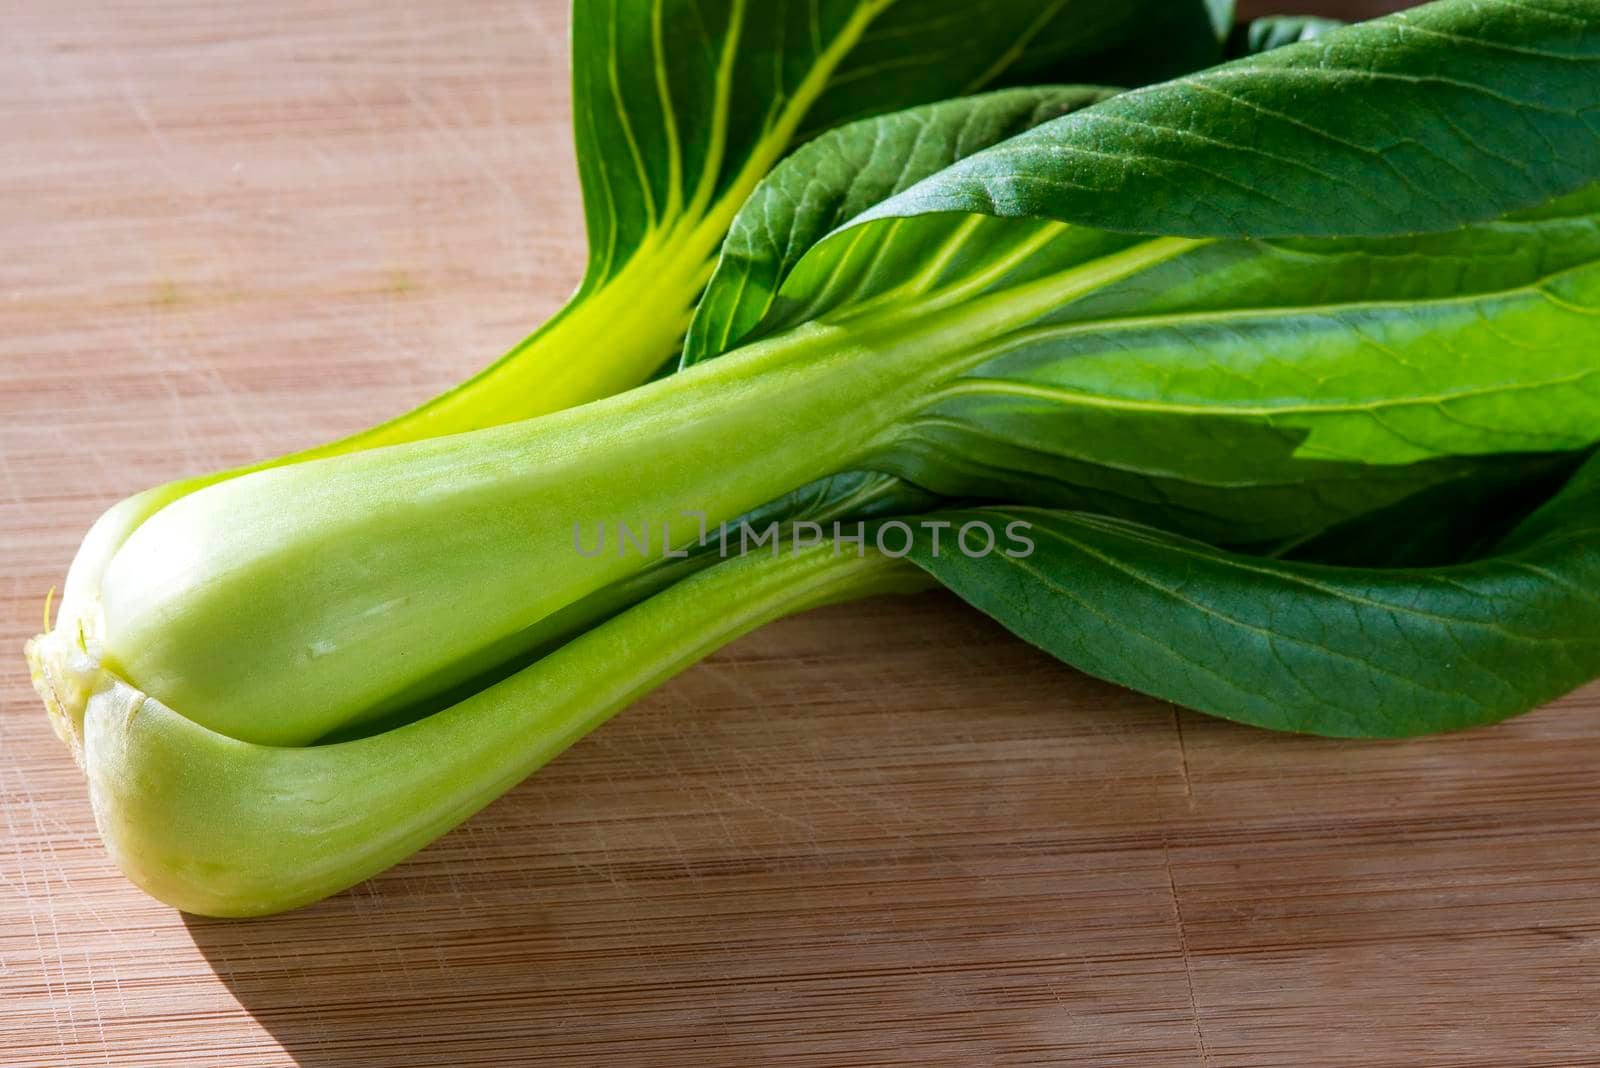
(1451, 113)
(1237, 391)
(1276, 31)
(681, 106)
(1366, 382)
(1449, 523)
(841, 174)
(1162, 42)
(1192, 390)
(1339, 651)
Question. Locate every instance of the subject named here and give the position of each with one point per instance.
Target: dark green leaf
(1301, 647)
(680, 106)
(841, 174)
(1455, 521)
(1238, 391)
(1454, 112)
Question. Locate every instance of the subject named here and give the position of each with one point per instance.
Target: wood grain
(886, 834)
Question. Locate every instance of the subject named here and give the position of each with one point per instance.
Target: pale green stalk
(222, 827)
(303, 599)
(391, 598)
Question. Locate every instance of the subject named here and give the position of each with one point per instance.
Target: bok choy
(680, 108)
(1160, 367)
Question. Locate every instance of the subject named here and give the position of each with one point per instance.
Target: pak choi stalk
(377, 579)
(218, 826)
(662, 73)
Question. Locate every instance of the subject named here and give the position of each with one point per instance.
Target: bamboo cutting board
(879, 834)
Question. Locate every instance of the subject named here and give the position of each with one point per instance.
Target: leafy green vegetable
(369, 631)
(680, 108)
(842, 174)
(1178, 345)
(1501, 117)
(1358, 652)
(1192, 384)
(1449, 523)
(223, 827)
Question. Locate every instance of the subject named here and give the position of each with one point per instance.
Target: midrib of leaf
(1330, 650)
(1046, 13)
(1071, 397)
(964, 329)
(1271, 637)
(669, 118)
(719, 116)
(690, 228)
(1283, 575)
(978, 281)
(709, 221)
(919, 297)
(650, 295)
(614, 76)
(939, 455)
(1055, 394)
(1068, 397)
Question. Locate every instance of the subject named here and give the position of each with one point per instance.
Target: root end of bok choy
(223, 827)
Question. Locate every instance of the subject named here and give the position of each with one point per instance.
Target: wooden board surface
(882, 834)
